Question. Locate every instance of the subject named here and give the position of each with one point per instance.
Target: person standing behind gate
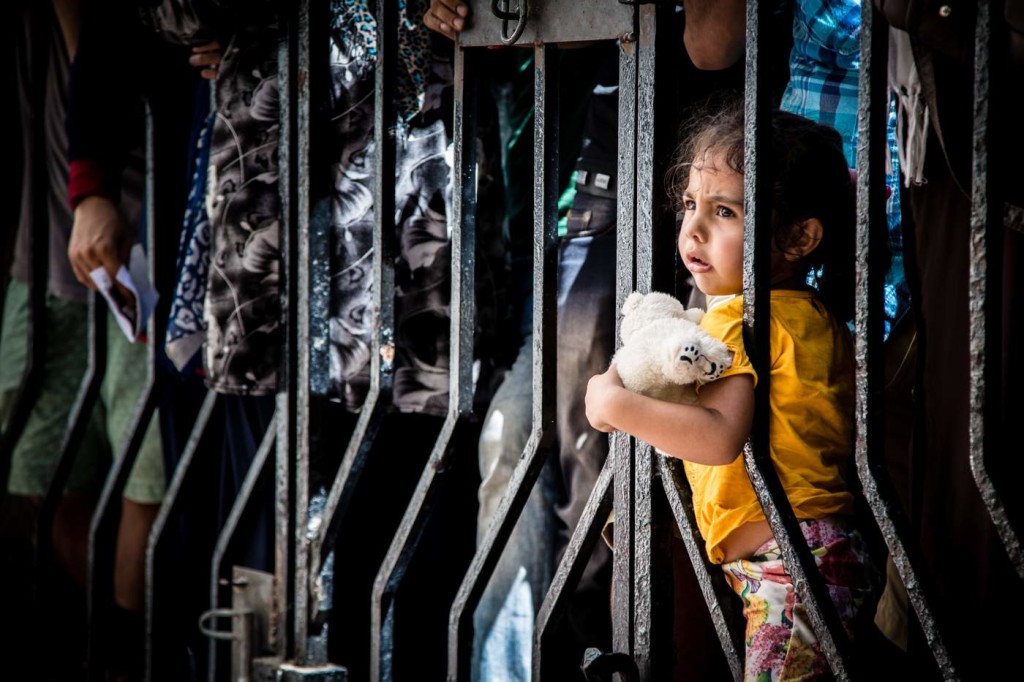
(229, 291)
(66, 352)
(931, 65)
(585, 327)
(812, 380)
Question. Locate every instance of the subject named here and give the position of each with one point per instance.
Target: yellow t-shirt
(811, 423)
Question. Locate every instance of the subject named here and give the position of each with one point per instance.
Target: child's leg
(781, 644)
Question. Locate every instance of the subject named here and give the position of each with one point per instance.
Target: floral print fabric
(243, 309)
(781, 644)
(422, 204)
(355, 33)
(185, 331)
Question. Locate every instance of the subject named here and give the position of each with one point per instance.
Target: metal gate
(278, 629)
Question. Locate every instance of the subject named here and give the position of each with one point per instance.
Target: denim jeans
(586, 342)
(504, 619)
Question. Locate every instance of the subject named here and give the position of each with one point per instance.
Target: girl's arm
(712, 432)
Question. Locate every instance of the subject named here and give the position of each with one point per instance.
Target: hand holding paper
(133, 301)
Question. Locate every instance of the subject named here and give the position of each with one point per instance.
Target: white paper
(131, 316)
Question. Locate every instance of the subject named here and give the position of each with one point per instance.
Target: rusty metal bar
(292, 399)
(985, 289)
(157, 627)
(574, 561)
(756, 311)
(104, 527)
(869, 451)
(295, 240)
(538, 446)
(382, 343)
(619, 465)
(621, 445)
(38, 242)
(300, 652)
(259, 471)
(642, 548)
(460, 402)
(721, 600)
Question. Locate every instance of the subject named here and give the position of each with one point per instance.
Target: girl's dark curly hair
(810, 179)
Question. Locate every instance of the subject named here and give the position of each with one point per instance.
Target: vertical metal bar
(460, 402)
(283, 521)
(574, 561)
(985, 288)
(643, 460)
(869, 451)
(321, 230)
(757, 209)
(258, 471)
(382, 344)
(296, 228)
(38, 242)
(626, 200)
(756, 310)
(545, 263)
(719, 598)
(156, 619)
(292, 453)
(616, 481)
(104, 527)
(621, 445)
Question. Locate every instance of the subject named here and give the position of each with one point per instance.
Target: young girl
(812, 382)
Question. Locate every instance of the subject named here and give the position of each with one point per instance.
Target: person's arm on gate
(715, 32)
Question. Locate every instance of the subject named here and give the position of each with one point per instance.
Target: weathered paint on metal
(548, 21)
(460, 402)
(757, 206)
(875, 483)
(256, 478)
(642, 549)
(378, 398)
(538, 445)
(720, 599)
(159, 617)
(567, 575)
(985, 298)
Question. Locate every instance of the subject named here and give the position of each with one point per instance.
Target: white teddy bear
(664, 351)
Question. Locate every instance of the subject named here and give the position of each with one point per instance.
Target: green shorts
(67, 358)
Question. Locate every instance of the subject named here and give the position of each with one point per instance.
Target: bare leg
(130, 561)
(129, 587)
(71, 522)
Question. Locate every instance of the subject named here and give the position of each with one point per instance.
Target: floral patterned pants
(781, 644)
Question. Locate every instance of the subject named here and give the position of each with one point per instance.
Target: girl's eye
(689, 205)
(725, 212)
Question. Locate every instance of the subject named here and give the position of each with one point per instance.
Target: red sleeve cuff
(86, 178)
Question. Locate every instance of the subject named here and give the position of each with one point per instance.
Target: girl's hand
(601, 390)
(207, 57)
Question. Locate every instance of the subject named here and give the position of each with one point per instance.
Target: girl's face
(711, 238)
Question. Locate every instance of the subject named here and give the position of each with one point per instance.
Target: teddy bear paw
(710, 368)
(690, 354)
